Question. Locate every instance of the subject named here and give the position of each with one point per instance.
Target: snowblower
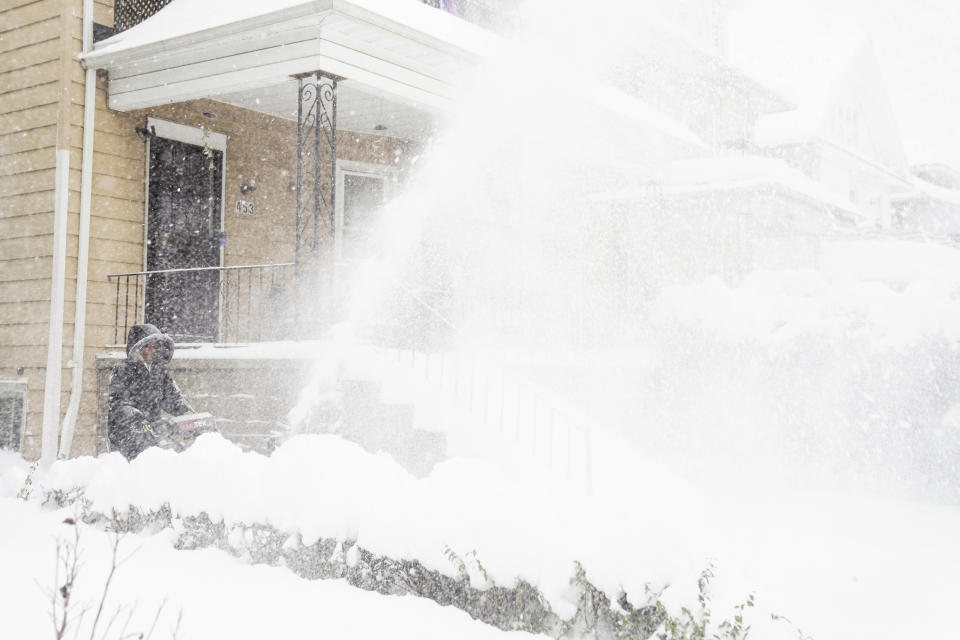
(179, 432)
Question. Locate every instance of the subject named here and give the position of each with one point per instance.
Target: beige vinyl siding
(29, 80)
(265, 148)
(103, 12)
(17, 14)
(260, 147)
(116, 240)
(116, 213)
(40, 78)
(34, 66)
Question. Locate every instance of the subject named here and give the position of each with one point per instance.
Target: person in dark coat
(141, 388)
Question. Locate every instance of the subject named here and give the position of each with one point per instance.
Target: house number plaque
(244, 208)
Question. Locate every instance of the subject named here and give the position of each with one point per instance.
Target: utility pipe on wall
(51, 389)
(83, 241)
(50, 430)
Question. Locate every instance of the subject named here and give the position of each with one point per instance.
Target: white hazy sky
(793, 45)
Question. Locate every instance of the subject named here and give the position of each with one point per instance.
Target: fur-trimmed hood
(141, 334)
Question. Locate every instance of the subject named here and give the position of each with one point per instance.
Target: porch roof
(189, 50)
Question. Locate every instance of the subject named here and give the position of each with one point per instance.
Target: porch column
(316, 190)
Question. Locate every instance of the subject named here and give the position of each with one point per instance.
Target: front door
(183, 232)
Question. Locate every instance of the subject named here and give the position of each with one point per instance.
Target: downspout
(50, 430)
(83, 241)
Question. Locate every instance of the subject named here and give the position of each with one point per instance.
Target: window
(361, 190)
(13, 403)
(362, 196)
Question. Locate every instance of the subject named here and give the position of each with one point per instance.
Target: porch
(270, 137)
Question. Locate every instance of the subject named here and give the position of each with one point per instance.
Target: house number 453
(244, 208)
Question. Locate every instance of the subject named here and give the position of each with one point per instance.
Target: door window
(362, 189)
(363, 194)
(183, 232)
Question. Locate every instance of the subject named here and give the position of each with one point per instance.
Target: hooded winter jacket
(138, 393)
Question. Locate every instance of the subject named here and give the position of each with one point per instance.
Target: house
(211, 168)
(226, 149)
(732, 207)
(931, 208)
(845, 136)
(208, 169)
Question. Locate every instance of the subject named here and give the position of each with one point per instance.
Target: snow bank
(778, 308)
(849, 374)
(323, 486)
(218, 596)
(802, 553)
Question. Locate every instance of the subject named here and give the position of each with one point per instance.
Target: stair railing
(514, 418)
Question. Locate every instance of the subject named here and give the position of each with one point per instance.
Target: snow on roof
(795, 45)
(773, 98)
(633, 109)
(815, 83)
(788, 127)
(745, 172)
(939, 173)
(933, 191)
(182, 18)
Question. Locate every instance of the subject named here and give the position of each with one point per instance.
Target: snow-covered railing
(482, 397)
(249, 301)
(511, 419)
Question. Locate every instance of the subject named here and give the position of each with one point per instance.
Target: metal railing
(511, 418)
(251, 301)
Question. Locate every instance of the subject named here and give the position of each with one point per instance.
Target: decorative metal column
(316, 177)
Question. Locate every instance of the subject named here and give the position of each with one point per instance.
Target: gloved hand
(159, 428)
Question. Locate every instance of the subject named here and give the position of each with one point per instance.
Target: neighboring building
(732, 208)
(939, 173)
(931, 209)
(847, 138)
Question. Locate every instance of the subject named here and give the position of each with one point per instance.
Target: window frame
(386, 173)
(12, 389)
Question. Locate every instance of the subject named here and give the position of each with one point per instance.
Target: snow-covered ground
(839, 565)
(759, 407)
(788, 498)
(217, 596)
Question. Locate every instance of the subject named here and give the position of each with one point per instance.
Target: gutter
(112, 51)
(50, 429)
(83, 241)
(108, 51)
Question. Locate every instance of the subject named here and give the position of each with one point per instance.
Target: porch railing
(253, 301)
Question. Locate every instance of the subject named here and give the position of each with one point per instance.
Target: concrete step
(250, 399)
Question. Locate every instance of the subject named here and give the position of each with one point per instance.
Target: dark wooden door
(183, 232)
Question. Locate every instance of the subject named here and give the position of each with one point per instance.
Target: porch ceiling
(402, 56)
(358, 109)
